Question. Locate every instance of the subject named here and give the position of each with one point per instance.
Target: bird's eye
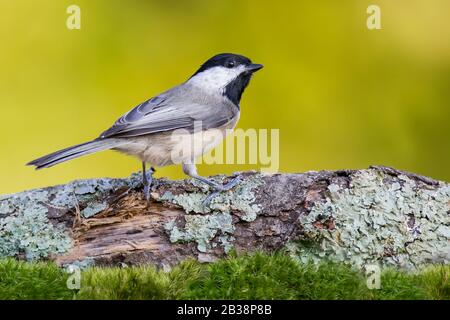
(230, 64)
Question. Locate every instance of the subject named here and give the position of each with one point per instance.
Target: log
(376, 215)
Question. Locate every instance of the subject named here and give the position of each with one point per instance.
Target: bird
(162, 130)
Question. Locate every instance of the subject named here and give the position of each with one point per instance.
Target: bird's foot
(218, 188)
(148, 181)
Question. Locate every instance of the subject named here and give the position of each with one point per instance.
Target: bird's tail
(74, 152)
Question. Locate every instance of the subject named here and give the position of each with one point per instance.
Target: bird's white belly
(188, 147)
(176, 147)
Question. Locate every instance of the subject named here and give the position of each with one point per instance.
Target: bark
(357, 216)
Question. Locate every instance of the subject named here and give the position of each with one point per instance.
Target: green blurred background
(342, 96)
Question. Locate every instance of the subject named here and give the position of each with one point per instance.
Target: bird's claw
(219, 189)
(230, 185)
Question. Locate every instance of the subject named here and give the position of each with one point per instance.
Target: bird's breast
(178, 146)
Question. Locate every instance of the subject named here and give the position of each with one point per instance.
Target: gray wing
(174, 109)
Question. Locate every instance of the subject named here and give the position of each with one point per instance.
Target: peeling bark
(107, 221)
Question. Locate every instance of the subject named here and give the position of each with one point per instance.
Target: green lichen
(24, 225)
(226, 241)
(93, 208)
(190, 202)
(377, 221)
(204, 223)
(32, 234)
(25, 228)
(5, 207)
(202, 229)
(240, 198)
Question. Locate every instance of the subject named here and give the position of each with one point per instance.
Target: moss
(255, 276)
(38, 280)
(377, 220)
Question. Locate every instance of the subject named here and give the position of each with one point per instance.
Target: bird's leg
(147, 180)
(191, 171)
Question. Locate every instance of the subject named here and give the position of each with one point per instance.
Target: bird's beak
(253, 67)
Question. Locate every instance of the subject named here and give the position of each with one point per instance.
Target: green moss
(255, 276)
(276, 277)
(20, 280)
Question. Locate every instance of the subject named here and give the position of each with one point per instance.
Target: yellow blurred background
(342, 96)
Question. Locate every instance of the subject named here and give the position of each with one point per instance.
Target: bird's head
(227, 74)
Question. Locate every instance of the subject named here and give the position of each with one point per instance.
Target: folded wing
(168, 111)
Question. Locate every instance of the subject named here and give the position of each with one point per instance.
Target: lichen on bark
(203, 223)
(377, 215)
(25, 227)
(375, 219)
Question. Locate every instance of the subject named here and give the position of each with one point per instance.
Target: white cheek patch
(215, 79)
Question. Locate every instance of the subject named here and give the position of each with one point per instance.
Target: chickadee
(160, 130)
